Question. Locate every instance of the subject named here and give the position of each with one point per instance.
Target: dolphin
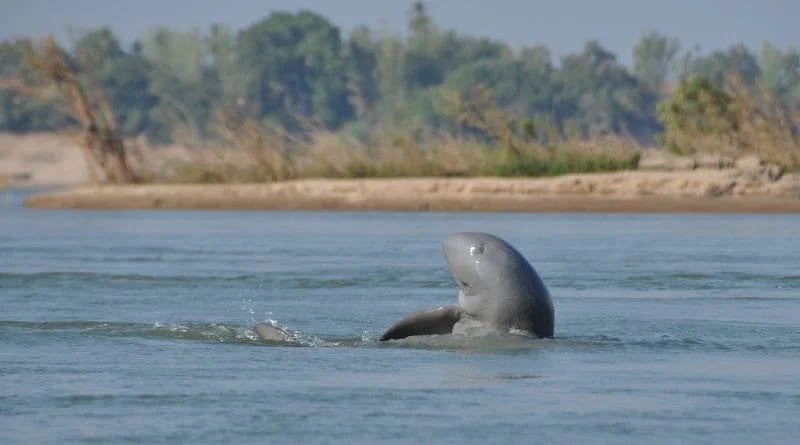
(270, 332)
(499, 290)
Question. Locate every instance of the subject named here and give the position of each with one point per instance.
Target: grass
(258, 152)
(698, 119)
(274, 157)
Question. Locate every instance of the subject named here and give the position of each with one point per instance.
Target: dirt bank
(41, 159)
(664, 184)
(635, 191)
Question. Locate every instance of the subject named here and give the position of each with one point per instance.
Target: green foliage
(653, 58)
(121, 77)
(20, 112)
(557, 162)
(697, 108)
(701, 117)
(180, 78)
(780, 74)
(602, 97)
(297, 71)
(718, 66)
(362, 84)
(402, 157)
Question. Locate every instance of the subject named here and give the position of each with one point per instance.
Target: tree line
(297, 71)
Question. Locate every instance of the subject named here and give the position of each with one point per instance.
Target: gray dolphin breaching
(500, 290)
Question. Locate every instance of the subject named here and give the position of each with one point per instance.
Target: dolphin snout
(452, 245)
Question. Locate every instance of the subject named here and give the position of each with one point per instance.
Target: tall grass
(256, 152)
(268, 155)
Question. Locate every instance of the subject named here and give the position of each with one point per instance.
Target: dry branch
(103, 148)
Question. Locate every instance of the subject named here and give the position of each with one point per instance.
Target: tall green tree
(361, 56)
(221, 45)
(653, 58)
(780, 74)
(120, 76)
(183, 81)
(20, 111)
(295, 69)
(600, 96)
(718, 66)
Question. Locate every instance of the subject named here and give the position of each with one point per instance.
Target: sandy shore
(55, 159)
(634, 191)
(41, 159)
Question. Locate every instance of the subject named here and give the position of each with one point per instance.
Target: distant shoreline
(698, 191)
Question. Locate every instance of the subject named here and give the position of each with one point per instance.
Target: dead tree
(102, 145)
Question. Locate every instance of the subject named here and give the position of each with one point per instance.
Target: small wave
(238, 334)
(747, 395)
(591, 339)
(192, 331)
(217, 332)
(9, 279)
(688, 281)
(213, 332)
(387, 280)
(482, 344)
(508, 376)
(679, 343)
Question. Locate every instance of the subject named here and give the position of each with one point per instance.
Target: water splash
(247, 308)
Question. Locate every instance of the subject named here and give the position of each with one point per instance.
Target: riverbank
(663, 183)
(703, 190)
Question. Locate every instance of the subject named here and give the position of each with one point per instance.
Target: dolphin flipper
(439, 320)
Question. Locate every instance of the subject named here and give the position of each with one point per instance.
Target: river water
(135, 327)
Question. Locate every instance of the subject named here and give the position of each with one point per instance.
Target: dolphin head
(483, 266)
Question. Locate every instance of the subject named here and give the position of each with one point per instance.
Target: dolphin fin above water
(434, 321)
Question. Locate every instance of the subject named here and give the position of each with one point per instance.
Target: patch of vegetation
(736, 120)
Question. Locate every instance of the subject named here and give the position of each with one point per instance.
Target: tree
(20, 108)
(718, 66)
(295, 70)
(601, 96)
(122, 78)
(102, 143)
(780, 74)
(180, 77)
(521, 87)
(232, 95)
(696, 109)
(361, 55)
(422, 66)
(431, 54)
(653, 58)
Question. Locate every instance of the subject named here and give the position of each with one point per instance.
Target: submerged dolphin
(270, 332)
(499, 290)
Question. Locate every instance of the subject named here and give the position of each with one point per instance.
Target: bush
(700, 117)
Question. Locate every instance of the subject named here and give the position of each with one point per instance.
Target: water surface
(135, 327)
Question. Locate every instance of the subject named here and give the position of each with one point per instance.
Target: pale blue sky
(562, 25)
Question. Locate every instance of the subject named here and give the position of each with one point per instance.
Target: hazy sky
(562, 25)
